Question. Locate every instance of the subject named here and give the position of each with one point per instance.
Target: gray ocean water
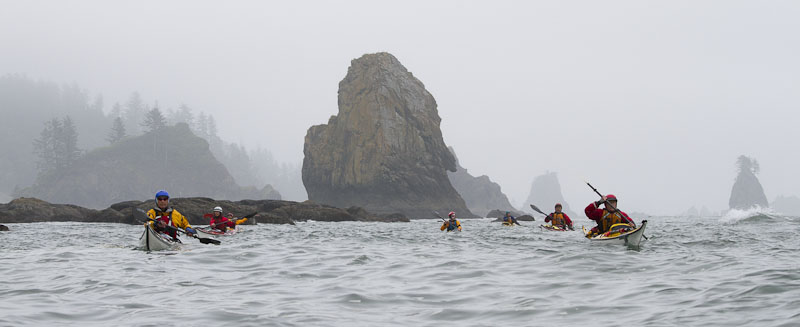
(691, 272)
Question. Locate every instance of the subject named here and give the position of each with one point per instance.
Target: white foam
(736, 215)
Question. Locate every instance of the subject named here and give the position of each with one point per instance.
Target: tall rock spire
(747, 191)
(384, 150)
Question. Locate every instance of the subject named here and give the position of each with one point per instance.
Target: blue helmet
(162, 193)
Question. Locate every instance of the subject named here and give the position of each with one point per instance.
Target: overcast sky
(652, 101)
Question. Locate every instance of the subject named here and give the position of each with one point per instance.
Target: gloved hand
(190, 231)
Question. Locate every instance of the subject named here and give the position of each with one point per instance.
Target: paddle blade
(250, 215)
(208, 215)
(537, 210)
(207, 240)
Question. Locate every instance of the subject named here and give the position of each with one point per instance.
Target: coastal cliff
(480, 193)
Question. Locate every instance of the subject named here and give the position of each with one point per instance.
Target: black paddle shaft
(594, 189)
(438, 215)
(222, 222)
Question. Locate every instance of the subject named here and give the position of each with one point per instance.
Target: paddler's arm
(443, 226)
(179, 220)
(630, 221)
(569, 221)
(593, 212)
(152, 215)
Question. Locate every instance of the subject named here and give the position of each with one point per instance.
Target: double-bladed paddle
(542, 212)
(201, 239)
(222, 222)
(444, 220)
(609, 204)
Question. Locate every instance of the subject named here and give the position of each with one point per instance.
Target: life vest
(558, 219)
(221, 223)
(451, 226)
(609, 219)
(166, 217)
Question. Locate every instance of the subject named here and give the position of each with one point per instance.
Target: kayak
(631, 238)
(155, 241)
(553, 228)
(505, 223)
(207, 231)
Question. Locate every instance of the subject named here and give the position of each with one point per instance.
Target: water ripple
(741, 272)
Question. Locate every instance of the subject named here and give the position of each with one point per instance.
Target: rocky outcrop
(480, 193)
(747, 191)
(546, 192)
(3, 228)
(29, 210)
(384, 150)
(172, 158)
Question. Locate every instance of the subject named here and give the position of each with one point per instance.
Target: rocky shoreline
(31, 210)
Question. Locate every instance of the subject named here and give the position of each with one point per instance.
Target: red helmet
(611, 197)
(558, 205)
(451, 214)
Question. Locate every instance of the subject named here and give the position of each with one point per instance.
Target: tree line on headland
(47, 127)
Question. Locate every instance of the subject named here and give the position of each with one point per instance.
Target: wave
(755, 214)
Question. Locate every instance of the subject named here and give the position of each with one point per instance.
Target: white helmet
(217, 209)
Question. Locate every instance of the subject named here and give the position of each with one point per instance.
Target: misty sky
(652, 101)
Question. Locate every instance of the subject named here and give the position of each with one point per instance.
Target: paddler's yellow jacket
(178, 220)
(446, 225)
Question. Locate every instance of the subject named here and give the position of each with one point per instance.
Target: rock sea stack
(747, 191)
(384, 150)
(480, 193)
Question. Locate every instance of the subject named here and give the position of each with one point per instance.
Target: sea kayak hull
(632, 238)
(154, 241)
(207, 231)
(553, 228)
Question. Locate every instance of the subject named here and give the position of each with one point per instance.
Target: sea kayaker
(239, 221)
(508, 218)
(452, 224)
(607, 216)
(163, 215)
(222, 223)
(558, 218)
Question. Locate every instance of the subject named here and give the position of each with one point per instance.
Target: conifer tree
(68, 144)
(134, 113)
(57, 145)
(117, 132)
(154, 121)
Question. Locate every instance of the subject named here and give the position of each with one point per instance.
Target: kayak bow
(154, 241)
(631, 238)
